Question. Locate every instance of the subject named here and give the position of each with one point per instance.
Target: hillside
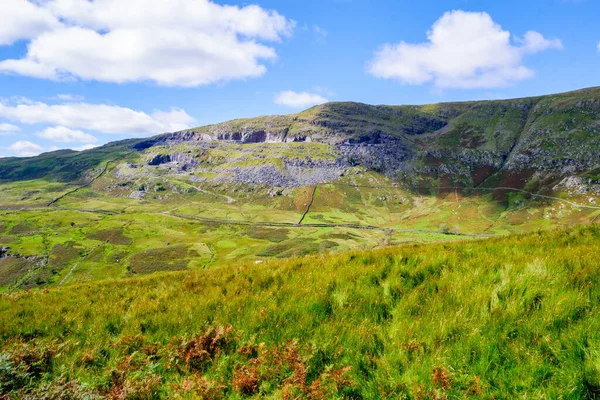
(336, 177)
(463, 143)
(512, 317)
(348, 251)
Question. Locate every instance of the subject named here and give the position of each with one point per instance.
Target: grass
(162, 259)
(508, 317)
(11, 268)
(127, 229)
(497, 318)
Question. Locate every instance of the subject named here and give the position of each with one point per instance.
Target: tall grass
(498, 318)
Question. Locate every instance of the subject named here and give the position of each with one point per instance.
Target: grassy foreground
(498, 318)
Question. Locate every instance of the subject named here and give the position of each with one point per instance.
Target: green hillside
(468, 142)
(336, 177)
(349, 251)
(512, 317)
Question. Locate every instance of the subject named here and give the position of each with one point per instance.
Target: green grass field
(100, 233)
(510, 317)
(350, 251)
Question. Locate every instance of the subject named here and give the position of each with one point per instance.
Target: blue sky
(79, 73)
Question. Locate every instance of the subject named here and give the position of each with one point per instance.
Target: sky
(80, 73)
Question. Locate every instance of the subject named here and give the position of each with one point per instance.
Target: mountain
(348, 251)
(335, 177)
(465, 144)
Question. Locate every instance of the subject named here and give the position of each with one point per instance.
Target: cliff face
(465, 143)
(469, 142)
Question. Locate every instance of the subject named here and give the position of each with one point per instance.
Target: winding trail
(311, 225)
(300, 224)
(230, 200)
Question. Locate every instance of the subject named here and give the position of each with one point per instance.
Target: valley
(336, 177)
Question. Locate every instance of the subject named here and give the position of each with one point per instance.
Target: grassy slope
(550, 130)
(63, 165)
(499, 318)
(125, 233)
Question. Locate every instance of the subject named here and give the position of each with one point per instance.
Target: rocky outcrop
(294, 173)
(578, 185)
(4, 251)
(183, 161)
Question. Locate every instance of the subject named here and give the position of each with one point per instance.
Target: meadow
(349, 251)
(488, 318)
(99, 233)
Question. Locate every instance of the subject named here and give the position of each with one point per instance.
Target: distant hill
(468, 143)
(335, 177)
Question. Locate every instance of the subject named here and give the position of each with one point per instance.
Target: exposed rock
(4, 251)
(274, 192)
(578, 185)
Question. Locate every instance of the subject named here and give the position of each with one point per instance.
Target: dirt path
(481, 190)
(311, 225)
(300, 224)
(230, 200)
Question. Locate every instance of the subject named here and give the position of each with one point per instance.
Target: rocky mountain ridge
(467, 143)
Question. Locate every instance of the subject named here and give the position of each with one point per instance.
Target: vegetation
(169, 267)
(62, 165)
(497, 318)
(96, 233)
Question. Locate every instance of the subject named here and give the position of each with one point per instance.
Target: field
(61, 233)
(350, 251)
(490, 318)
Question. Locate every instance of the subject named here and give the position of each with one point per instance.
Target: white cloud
(184, 43)
(66, 135)
(534, 42)
(84, 147)
(22, 20)
(598, 46)
(465, 50)
(320, 33)
(293, 99)
(97, 117)
(8, 129)
(23, 148)
(70, 97)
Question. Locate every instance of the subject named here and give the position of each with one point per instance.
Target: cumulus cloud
(534, 42)
(293, 99)
(23, 148)
(23, 20)
(97, 117)
(464, 50)
(184, 43)
(8, 129)
(66, 135)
